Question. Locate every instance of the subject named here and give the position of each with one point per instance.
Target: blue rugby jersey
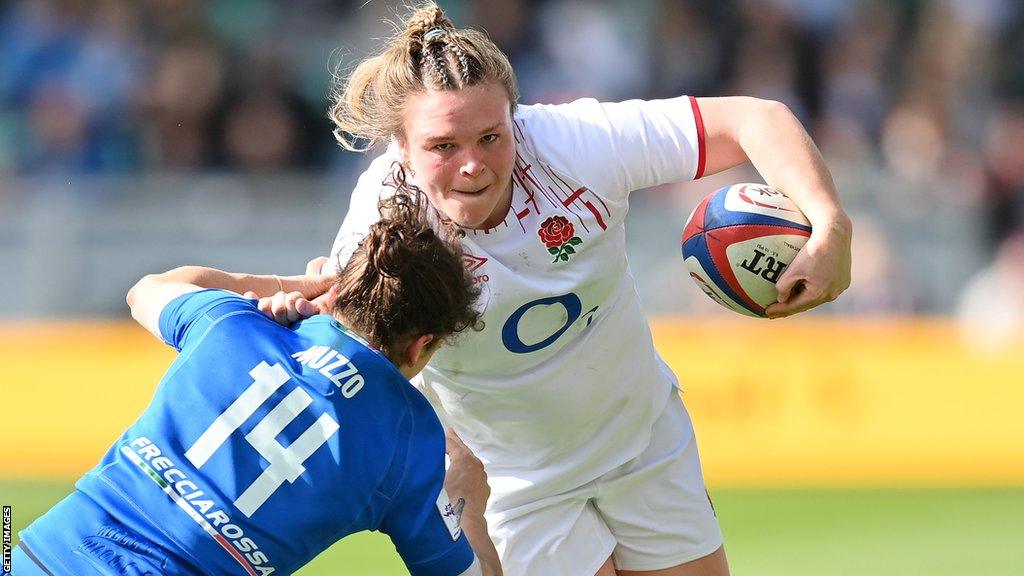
(264, 445)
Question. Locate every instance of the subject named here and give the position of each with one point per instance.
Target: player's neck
(349, 327)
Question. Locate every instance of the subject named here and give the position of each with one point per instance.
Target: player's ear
(403, 149)
(416, 354)
(418, 351)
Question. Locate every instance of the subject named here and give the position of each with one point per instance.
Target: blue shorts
(78, 537)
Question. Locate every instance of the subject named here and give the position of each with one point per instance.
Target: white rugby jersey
(564, 383)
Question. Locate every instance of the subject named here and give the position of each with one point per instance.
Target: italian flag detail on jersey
(192, 513)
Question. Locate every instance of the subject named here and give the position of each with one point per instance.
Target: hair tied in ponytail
(386, 251)
(435, 33)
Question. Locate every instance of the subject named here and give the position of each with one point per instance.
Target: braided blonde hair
(427, 52)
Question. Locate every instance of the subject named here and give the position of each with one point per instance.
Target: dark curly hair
(405, 279)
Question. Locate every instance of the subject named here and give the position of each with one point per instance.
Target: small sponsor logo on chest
(472, 264)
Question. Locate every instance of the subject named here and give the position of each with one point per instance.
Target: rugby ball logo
(739, 240)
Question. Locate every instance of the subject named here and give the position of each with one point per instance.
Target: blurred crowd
(918, 105)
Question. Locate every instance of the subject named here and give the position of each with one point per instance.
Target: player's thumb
(787, 286)
(316, 266)
(323, 302)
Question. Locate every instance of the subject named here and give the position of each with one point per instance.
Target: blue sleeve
(186, 318)
(416, 521)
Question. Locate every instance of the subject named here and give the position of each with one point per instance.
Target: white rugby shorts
(651, 513)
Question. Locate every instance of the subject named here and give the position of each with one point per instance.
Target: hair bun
(427, 19)
(387, 249)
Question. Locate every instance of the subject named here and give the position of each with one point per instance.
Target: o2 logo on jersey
(574, 310)
(285, 463)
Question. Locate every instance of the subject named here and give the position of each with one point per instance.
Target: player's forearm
(475, 528)
(783, 153)
(203, 277)
(148, 297)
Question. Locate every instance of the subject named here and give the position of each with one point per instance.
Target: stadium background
(880, 434)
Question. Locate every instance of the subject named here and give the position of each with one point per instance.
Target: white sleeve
(363, 207)
(621, 146)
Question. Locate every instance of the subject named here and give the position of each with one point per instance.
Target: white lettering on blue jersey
(285, 463)
(347, 379)
(206, 513)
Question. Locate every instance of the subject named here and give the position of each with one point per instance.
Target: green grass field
(899, 532)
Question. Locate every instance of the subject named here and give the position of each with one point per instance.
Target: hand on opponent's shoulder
(308, 298)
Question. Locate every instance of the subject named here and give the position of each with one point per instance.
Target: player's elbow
(768, 111)
(135, 292)
(736, 119)
(775, 106)
(755, 118)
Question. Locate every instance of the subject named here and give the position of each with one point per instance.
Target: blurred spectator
(590, 51)
(147, 84)
(58, 122)
(770, 57)
(264, 124)
(260, 133)
(991, 309)
(1004, 163)
(69, 71)
(913, 140)
(854, 66)
(687, 55)
(181, 99)
(270, 128)
(511, 25)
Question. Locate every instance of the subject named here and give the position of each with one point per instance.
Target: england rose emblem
(558, 235)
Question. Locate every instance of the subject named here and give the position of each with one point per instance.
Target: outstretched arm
(148, 297)
(768, 135)
(466, 484)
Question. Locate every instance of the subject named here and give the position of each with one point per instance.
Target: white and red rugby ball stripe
(739, 240)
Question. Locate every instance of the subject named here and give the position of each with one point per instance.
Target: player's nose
(471, 166)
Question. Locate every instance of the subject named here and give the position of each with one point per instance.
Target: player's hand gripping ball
(739, 240)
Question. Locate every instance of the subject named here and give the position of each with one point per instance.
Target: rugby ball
(739, 240)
